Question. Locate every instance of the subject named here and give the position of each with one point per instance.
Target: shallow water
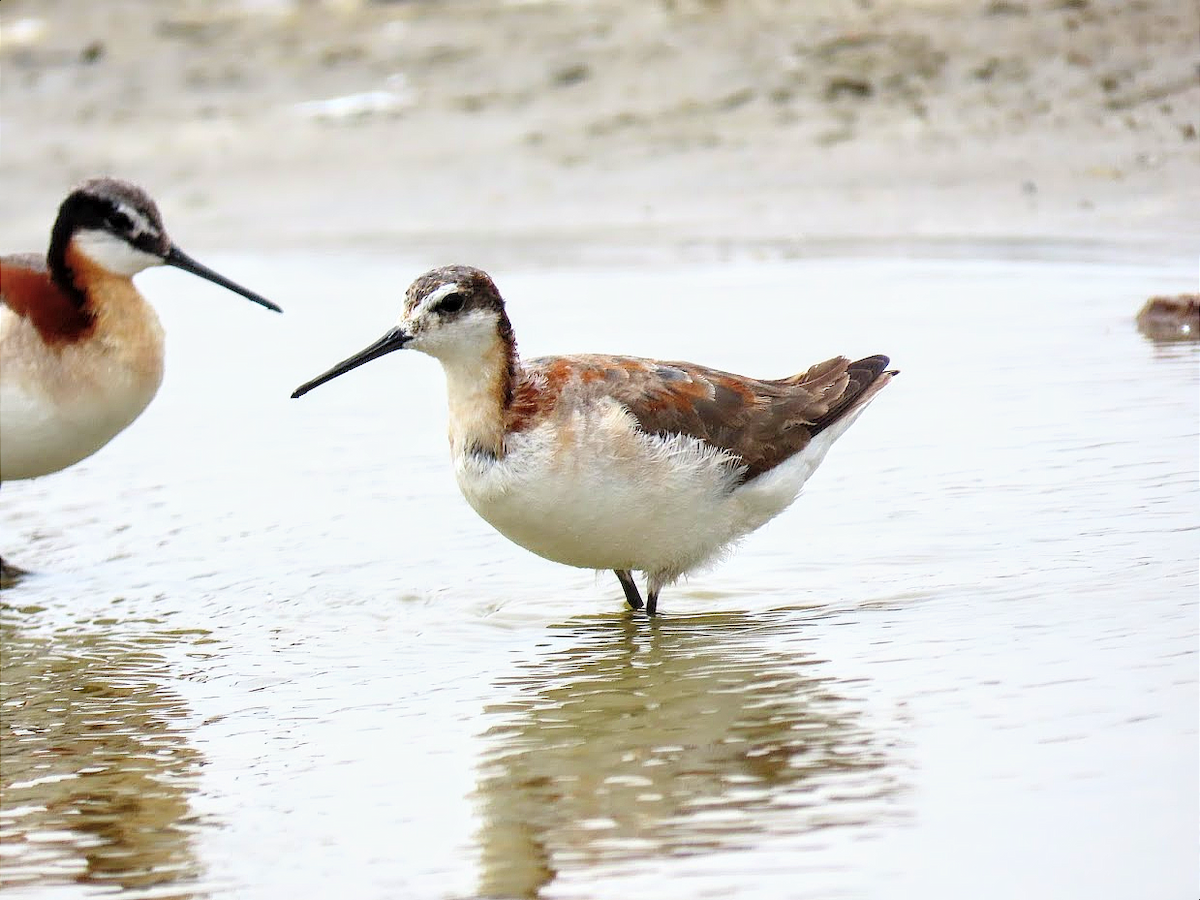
(270, 652)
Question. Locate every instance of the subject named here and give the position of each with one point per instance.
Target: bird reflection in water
(97, 771)
(700, 735)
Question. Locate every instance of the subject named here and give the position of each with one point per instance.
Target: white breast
(589, 489)
(58, 406)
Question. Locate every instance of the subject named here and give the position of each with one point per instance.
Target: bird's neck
(479, 387)
(121, 318)
(62, 260)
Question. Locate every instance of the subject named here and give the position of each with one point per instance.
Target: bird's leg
(632, 597)
(651, 601)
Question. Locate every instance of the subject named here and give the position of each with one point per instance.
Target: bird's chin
(113, 254)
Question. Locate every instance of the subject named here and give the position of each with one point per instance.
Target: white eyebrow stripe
(141, 225)
(444, 291)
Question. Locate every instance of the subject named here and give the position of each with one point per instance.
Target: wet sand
(559, 132)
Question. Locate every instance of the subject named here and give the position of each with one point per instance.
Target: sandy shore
(597, 130)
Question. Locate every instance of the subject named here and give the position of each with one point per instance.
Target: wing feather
(761, 422)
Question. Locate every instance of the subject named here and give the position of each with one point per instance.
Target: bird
(1171, 318)
(616, 462)
(81, 350)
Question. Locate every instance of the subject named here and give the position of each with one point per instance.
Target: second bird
(81, 351)
(615, 462)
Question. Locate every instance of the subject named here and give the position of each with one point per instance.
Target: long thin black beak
(393, 340)
(180, 260)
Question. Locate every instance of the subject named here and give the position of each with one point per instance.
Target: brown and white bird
(81, 351)
(615, 462)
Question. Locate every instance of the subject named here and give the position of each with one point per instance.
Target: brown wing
(31, 261)
(14, 267)
(761, 422)
(27, 289)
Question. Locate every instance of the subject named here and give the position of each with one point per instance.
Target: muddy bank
(596, 130)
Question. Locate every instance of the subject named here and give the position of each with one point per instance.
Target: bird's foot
(632, 597)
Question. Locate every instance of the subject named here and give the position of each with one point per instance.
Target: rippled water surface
(269, 652)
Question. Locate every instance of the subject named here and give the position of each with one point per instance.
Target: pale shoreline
(601, 132)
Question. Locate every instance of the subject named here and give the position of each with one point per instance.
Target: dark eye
(118, 221)
(451, 303)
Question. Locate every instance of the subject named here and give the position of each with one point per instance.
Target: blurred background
(555, 130)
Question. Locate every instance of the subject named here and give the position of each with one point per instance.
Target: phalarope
(81, 349)
(615, 462)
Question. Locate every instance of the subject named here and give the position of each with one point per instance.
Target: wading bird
(615, 462)
(81, 351)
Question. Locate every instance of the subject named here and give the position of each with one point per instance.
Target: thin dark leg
(651, 602)
(632, 597)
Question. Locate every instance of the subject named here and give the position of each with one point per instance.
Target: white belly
(60, 406)
(597, 493)
(39, 435)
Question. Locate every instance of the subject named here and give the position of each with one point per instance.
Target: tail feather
(867, 377)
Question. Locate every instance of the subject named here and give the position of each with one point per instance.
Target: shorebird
(1171, 318)
(81, 351)
(616, 462)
